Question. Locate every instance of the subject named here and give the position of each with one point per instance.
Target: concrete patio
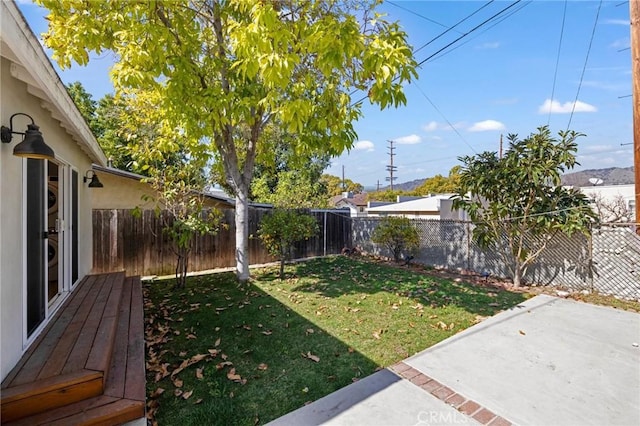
(545, 361)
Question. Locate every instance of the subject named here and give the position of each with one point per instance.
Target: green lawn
(223, 354)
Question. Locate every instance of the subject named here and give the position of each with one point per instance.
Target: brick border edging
(449, 396)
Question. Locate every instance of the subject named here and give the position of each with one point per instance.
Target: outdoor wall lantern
(32, 145)
(95, 182)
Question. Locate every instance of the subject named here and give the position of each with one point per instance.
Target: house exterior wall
(16, 98)
(125, 193)
(609, 193)
(122, 193)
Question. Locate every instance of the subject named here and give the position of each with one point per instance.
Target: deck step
(122, 398)
(70, 360)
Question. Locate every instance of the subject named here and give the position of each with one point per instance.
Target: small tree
(281, 229)
(517, 202)
(398, 235)
(615, 209)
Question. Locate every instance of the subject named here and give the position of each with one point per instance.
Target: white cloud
(598, 148)
(604, 85)
(408, 140)
(486, 125)
(621, 43)
(431, 126)
(363, 146)
(624, 22)
(489, 45)
(558, 108)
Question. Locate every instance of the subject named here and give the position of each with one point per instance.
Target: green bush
(398, 235)
(281, 229)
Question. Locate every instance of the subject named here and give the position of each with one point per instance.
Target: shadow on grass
(341, 276)
(261, 339)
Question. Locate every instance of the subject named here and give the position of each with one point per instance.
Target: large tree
(336, 186)
(225, 69)
(439, 184)
(517, 202)
(106, 119)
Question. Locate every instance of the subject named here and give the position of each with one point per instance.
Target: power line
(497, 21)
(470, 31)
(586, 59)
(455, 41)
(390, 167)
(451, 28)
(555, 73)
(421, 16)
(443, 117)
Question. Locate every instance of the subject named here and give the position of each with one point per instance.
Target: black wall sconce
(32, 145)
(95, 182)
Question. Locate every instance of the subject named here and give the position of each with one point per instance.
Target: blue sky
(498, 79)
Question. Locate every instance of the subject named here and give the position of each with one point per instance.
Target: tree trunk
(517, 276)
(242, 233)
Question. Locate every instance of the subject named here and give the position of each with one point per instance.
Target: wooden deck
(87, 366)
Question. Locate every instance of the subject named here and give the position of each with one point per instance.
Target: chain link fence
(606, 261)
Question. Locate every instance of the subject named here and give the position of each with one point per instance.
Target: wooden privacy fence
(123, 241)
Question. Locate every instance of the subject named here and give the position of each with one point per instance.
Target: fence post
(591, 279)
(467, 231)
(324, 251)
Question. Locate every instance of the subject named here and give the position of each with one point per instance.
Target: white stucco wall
(15, 98)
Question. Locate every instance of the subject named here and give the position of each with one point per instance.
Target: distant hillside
(610, 176)
(405, 186)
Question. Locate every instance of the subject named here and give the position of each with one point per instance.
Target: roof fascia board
(24, 45)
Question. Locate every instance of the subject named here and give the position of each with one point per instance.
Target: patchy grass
(604, 300)
(220, 353)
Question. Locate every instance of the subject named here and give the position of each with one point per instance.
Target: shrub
(398, 235)
(281, 229)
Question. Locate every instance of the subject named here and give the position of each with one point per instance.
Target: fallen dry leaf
(198, 401)
(177, 392)
(267, 333)
(157, 393)
(191, 336)
(215, 345)
(262, 366)
(178, 382)
(312, 357)
(199, 374)
(187, 395)
(224, 364)
(522, 332)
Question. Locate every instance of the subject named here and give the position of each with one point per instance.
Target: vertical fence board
(137, 244)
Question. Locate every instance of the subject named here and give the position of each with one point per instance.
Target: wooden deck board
(100, 354)
(59, 355)
(102, 326)
(135, 376)
(114, 385)
(63, 412)
(49, 394)
(80, 352)
(29, 366)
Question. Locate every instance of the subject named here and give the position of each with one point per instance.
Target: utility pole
(378, 186)
(390, 167)
(500, 146)
(344, 186)
(634, 18)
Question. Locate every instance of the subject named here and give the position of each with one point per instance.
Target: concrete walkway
(547, 361)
